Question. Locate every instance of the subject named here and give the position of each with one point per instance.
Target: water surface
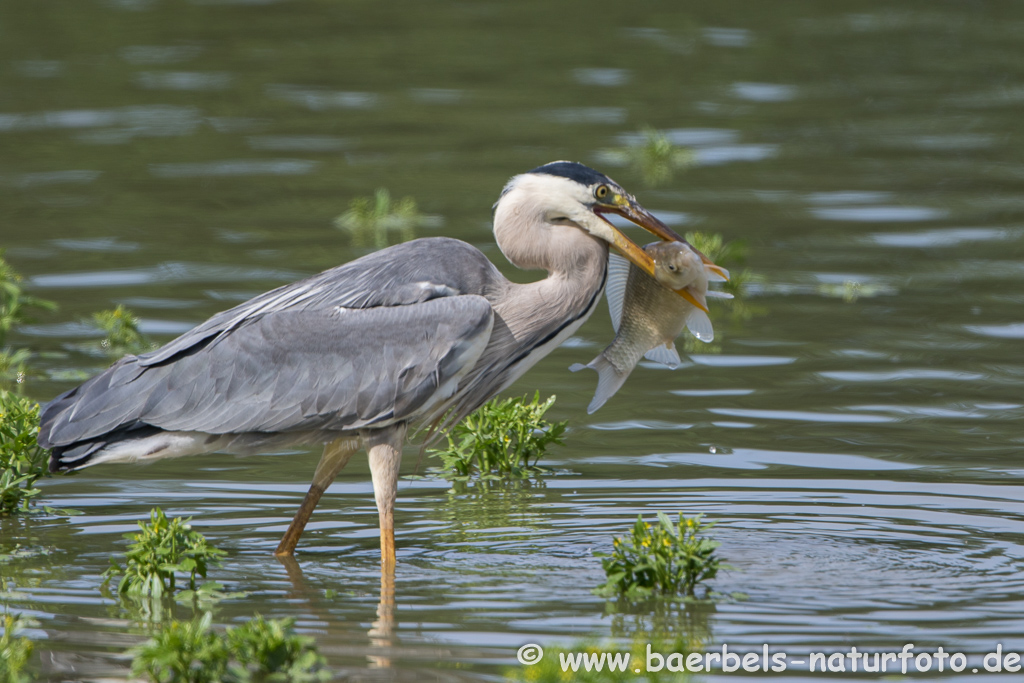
(857, 443)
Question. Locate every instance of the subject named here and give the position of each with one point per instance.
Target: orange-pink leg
(336, 456)
(384, 446)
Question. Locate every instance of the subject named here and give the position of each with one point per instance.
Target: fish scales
(648, 315)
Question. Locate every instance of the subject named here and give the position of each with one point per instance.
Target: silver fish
(648, 316)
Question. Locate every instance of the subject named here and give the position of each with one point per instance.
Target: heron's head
(567, 194)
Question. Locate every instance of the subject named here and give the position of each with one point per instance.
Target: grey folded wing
(402, 275)
(288, 370)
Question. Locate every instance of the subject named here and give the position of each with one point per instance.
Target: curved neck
(576, 264)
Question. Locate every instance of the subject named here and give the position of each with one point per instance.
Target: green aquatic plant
(121, 332)
(502, 438)
(183, 652)
(371, 221)
(654, 158)
(269, 649)
(850, 290)
(158, 552)
(667, 559)
(14, 307)
(15, 652)
(14, 303)
(259, 650)
(22, 461)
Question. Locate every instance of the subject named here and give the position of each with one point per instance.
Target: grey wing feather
(339, 369)
(408, 273)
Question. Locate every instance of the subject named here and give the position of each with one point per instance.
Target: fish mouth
(630, 209)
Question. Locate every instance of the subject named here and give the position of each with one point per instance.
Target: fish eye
(601, 192)
(672, 268)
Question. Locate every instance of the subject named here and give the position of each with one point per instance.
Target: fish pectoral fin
(718, 294)
(665, 354)
(615, 289)
(700, 327)
(576, 367)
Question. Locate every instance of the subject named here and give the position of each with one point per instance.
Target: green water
(861, 458)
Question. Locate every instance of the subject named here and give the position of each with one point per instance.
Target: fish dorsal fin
(615, 289)
(665, 354)
(718, 294)
(699, 325)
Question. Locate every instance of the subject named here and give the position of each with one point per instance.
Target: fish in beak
(627, 206)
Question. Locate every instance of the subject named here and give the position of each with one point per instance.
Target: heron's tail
(609, 379)
(129, 443)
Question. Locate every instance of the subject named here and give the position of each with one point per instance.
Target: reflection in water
(381, 634)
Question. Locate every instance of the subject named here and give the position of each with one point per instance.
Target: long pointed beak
(694, 297)
(630, 209)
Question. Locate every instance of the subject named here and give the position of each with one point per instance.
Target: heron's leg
(384, 446)
(336, 456)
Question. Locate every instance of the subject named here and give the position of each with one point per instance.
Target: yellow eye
(601, 192)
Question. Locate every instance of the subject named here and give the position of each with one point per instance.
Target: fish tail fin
(609, 380)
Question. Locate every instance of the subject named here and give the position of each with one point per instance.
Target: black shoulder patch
(573, 170)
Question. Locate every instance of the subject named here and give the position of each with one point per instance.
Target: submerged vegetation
(654, 157)
(158, 552)
(121, 332)
(376, 221)
(14, 307)
(502, 438)
(259, 650)
(15, 651)
(22, 461)
(664, 559)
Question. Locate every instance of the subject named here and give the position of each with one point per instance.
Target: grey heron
(414, 334)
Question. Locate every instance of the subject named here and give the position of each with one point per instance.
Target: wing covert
(291, 370)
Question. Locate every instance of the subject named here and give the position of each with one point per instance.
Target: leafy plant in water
(259, 650)
(372, 220)
(663, 559)
(183, 652)
(501, 438)
(22, 461)
(121, 330)
(851, 290)
(14, 651)
(14, 304)
(158, 552)
(655, 158)
(269, 649)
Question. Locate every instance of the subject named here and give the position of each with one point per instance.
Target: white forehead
(548, 190)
